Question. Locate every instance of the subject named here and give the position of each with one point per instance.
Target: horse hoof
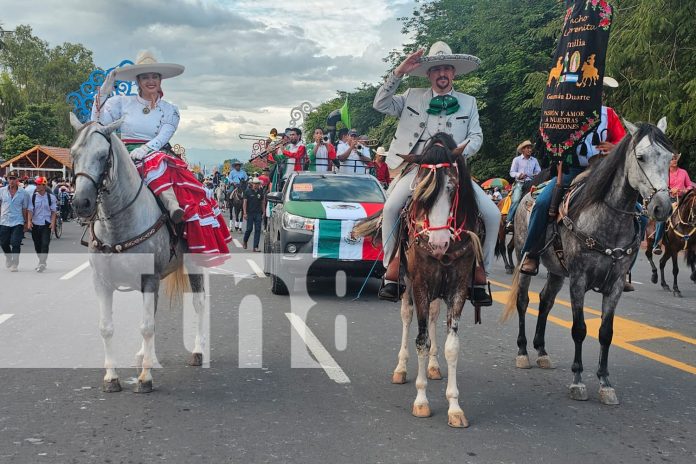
(653, 278)
(677, 293)
(434, 373)
(544, 362)
(666, 288)
(196, 359)
(522, 362)
(457, 420)
(399, 378)
(111, 386)
(509, 270)
(143, 387)
(421, 410)
(578, 392)
(607, 395)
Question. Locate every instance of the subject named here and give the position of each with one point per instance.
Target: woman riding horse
(149, 122)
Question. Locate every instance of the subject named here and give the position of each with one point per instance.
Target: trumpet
(369, 143)
(252, 137)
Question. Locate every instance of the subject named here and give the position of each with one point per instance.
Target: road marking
(330, 366)
(626, 331)
(75, 271)
(236, 243)
(4, 317)
(255, 267)
(636, 282)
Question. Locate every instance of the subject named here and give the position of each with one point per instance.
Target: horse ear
(662, 124)
(77, 125)
(113, 126)
(632, 128)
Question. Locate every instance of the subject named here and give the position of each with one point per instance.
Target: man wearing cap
(353, 154)
(13, 215)
(422, 113)
(41, 220)
(598, 141)
(524, 167)
(253, 212)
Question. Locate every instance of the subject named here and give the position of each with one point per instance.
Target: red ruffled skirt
(205, 229)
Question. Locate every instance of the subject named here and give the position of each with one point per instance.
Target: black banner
(573, 96)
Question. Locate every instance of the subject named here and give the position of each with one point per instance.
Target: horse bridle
(100, 183)
(646, 201)
(451, 225)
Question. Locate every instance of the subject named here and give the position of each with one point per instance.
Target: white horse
(127, 229)
(221, 196)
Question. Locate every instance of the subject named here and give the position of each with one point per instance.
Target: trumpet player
(351, 153)
(321, 152)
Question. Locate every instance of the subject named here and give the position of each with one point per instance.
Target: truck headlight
(292, 221)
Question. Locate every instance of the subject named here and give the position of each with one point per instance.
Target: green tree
(39, 123)
(13, 145)
(651, 53)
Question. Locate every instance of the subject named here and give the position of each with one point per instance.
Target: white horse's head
(94, 163)
(647, 165)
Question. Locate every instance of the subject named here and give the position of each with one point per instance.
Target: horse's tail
(690, 257)
(370, 226)
(511, 305)
(177, 283)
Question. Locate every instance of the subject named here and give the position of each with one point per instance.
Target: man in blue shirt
(41, 220)
(13, 214)
(237, 175)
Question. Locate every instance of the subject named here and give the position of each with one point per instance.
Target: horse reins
(451, 219)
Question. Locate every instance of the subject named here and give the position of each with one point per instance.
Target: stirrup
(526, 259)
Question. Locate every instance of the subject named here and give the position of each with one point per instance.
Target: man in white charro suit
(423, 113)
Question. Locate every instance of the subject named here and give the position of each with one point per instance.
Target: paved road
(251, 405)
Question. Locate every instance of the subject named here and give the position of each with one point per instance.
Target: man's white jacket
(411, 109)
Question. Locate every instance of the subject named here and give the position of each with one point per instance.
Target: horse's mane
(439, 150)
(687, 196)
(601, 174)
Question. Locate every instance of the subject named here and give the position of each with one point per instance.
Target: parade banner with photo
(573, 97)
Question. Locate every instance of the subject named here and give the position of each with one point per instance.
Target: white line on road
(236, 243)
(330, 366)
(4, 317)
(255, 267)
(636, 282)
(75, 271)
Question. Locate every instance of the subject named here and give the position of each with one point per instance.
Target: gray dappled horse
(599, 240)
(128, 234)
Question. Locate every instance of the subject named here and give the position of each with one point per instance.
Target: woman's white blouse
(157, 126)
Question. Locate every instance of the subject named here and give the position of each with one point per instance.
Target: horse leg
(578, 390)
(421, 407)
(106, 328)
(607, 395)
(147, 330)
(522, 361)
(649, 255)
(399, 375)
(198, 291)
(554, 283)
(510, 252)
(663, 263)
(675, 271)
(455, 414)
(433, 364)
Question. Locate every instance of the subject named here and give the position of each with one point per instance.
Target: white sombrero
(441, 54)
(146, 63)
(610, 82)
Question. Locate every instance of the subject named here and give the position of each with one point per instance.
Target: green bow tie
(446, 103)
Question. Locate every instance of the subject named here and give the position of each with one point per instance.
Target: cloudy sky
(248, 62)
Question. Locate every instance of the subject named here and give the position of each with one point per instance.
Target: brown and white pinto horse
(440, 254)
